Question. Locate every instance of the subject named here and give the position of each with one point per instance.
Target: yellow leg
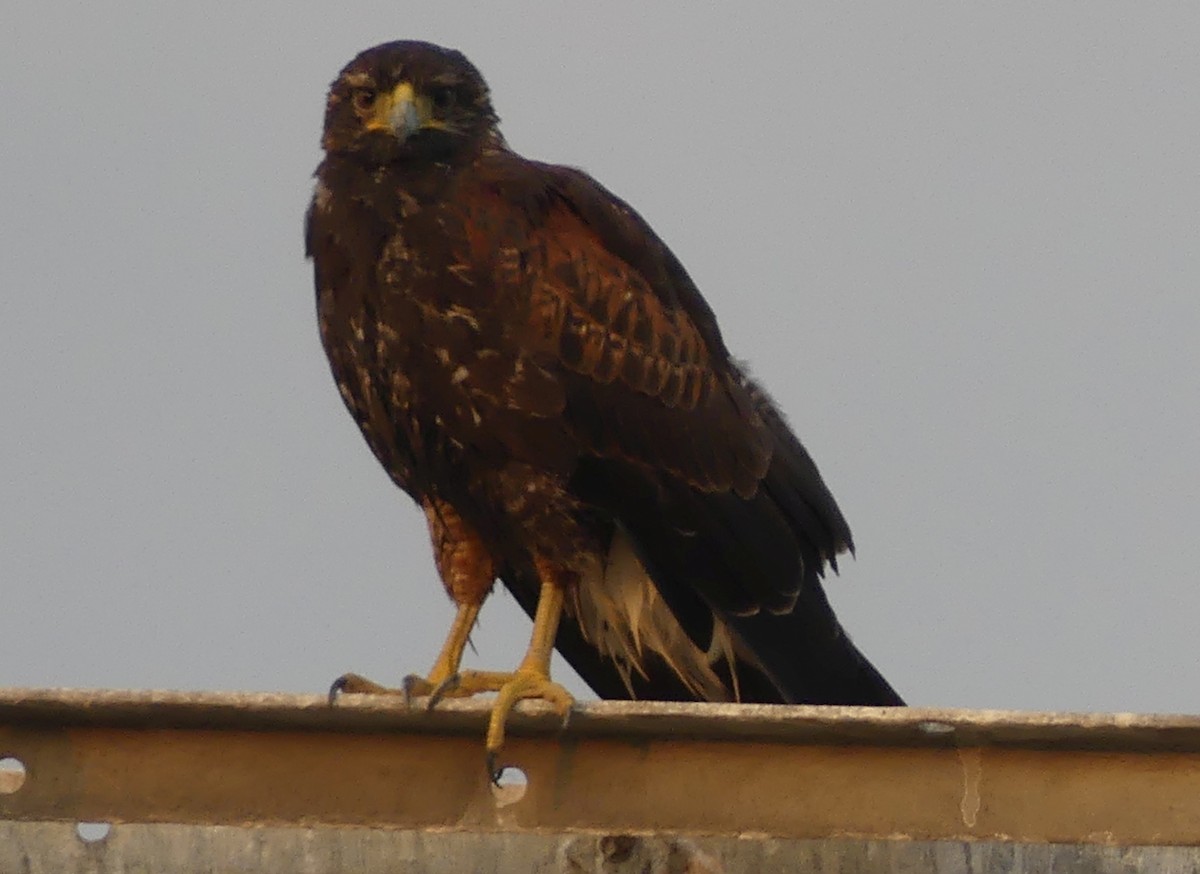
(532, 677)
(468, 572)
(444, 673)
(442, 676)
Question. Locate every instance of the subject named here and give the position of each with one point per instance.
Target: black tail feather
(809, 657)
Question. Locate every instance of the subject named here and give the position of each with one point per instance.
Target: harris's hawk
(528, 360)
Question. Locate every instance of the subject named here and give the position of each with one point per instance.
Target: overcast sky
(958, 242)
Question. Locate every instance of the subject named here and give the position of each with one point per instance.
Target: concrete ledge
(55, 848)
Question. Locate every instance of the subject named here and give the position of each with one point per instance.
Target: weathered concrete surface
(54, 848)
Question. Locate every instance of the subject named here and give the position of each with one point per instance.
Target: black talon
(336, 688)
(441, 689)
(494, 773)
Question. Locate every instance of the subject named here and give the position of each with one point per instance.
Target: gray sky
(958, 242)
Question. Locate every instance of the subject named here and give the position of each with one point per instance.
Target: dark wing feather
(725, 507)
(651, 395)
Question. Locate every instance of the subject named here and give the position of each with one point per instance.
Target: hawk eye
(362, 98)
(443, 98)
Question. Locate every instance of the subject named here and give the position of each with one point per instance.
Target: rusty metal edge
(643, 720)
(802, 772)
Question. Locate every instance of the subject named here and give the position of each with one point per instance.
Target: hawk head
(408, 100)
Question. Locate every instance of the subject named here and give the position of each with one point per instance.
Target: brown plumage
(530, 362)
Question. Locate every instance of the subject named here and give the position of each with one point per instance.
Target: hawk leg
(443, 678)
(532, 677)
(467, 572)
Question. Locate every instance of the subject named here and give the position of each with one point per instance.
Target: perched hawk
(529, 361)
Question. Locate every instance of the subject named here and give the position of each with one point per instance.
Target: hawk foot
(414, 686)
(355, 684)
(452, 686)
(524, 683)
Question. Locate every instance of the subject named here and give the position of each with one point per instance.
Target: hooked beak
(401, 112)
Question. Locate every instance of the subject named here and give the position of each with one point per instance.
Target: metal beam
(789, 773)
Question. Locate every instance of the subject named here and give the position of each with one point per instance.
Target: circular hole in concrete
(91, 832)
(510, 786)
(12, 774)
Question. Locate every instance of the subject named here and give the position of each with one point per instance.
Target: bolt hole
(12, 775)
(91, 832)
(510, 786)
